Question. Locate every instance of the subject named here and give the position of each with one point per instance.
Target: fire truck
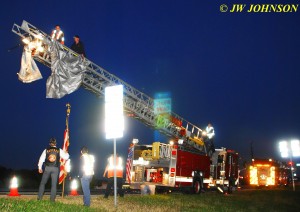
(186, 164)
(268, 172)
(167, 167)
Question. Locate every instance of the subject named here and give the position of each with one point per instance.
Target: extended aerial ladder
(136, 104)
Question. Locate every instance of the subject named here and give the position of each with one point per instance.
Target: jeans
(110, 184)
(53, 172)
(85, 184)
(67, 185)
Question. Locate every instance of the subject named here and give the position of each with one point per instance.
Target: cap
(76, 36)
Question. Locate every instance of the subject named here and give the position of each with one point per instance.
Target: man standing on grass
(87, 172)
(51, 157)
(109, 171)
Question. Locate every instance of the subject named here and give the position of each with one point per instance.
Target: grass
(21, 204)
(245, 200)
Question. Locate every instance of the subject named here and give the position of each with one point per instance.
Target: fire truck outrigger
(165, 167)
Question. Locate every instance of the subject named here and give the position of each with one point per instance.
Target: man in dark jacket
(50, 157)
(78, 46)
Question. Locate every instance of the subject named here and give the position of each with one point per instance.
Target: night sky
(239, 71)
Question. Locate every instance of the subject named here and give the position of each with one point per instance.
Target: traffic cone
(74, 188)
(14, 188)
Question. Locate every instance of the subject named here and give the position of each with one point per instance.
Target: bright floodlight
(180, 141)
(40, 49)
(135, 141)
(26, 41)
(114, 119)
(283, 148)
(295, 147)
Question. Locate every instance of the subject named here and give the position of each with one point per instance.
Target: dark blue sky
(239, 71)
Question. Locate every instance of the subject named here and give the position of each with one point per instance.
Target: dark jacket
(78, 48)
(52, 156)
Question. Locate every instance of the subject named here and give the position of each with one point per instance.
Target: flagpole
(67, 127)
(63, 189)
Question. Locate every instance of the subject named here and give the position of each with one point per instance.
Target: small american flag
(129, 163)
(62, 173)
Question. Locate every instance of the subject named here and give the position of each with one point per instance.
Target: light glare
(74, 185)
(114, 119)
(135, 141)
(25, 40)
(295, 147)
(180, 141)
(283, 148)
(14, 183)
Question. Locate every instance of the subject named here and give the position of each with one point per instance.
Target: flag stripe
(129, 164)
(62, 161)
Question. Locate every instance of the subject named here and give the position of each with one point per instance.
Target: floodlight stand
(291, 159)
(115, 173)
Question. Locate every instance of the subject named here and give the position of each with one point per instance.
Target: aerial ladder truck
(187, 136)
(136, 104)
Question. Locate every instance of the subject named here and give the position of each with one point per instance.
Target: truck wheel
(196, 186)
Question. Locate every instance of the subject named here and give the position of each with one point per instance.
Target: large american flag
(62, 173)
(129, 163)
